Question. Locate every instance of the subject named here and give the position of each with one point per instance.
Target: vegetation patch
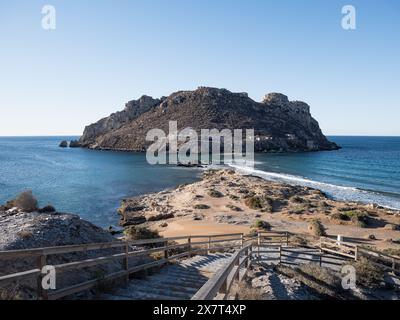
(133, 233)
(215, 194)
(357, 217)
(245, 291)
(25, 234)
(259, 203)
(322, 281)
(261, 224)
(26, 201)
(368, 274)
(201, 207)
(316, 228)
(298, 199)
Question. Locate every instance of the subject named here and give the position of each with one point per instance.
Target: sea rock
(74, 144)
(280, 125)
(63, 144)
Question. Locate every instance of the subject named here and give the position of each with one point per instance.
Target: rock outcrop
(280, 125)
(63, 144)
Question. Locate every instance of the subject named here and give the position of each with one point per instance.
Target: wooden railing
(341, 248)
(189, 245)
(170, 249)
(219, 286)
(384, 261)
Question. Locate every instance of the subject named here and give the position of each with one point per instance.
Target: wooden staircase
(179, 281)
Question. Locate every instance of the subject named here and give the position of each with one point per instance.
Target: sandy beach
(227, 201)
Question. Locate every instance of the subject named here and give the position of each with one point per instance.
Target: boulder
(63, 144)
(74, 144)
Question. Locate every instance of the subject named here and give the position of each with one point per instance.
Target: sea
(92, 183)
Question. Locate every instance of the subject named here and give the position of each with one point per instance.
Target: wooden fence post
(190, 246)
(166, 250)
(280, 254)
(241, 240)
(249, 255)
(41, 262)
(126, 262)
(393, 267)
(209, 245)
(259, 244)
(238, 266)
(287, 239)
(356, 253)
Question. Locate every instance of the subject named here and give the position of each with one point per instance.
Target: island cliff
(280, 125)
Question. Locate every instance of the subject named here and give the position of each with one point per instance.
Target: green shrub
(254, 203)
(338, 216)
(215, 194)
(133, 233)
(299, 209)
(357, 217)
(261, 224)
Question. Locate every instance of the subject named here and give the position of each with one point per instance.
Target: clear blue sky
(104, 53)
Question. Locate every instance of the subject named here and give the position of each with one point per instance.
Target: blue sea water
(366, 169)
(86, 182)
(92, 183)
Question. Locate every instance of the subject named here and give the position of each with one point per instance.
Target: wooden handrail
(219, 282)
(43, 253)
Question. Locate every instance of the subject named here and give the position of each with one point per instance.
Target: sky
(104, 53)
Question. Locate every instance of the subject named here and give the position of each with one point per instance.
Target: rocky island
(280, 125)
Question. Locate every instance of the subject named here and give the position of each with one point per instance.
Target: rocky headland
(280, 125)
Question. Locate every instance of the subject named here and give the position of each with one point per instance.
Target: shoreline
(194, 208)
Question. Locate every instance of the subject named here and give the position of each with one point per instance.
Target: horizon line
(79, 135)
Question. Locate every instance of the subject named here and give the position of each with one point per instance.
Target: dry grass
(324, 282)
(26, 201)
(261, 225)
(133, 233)
(25, 234)
(215, 194)
(368, 274)
(11, 293)
(246, 292)
(201, 206)
(316, 228)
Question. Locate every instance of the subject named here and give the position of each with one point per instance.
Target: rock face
(280, 125)
(21, 230)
